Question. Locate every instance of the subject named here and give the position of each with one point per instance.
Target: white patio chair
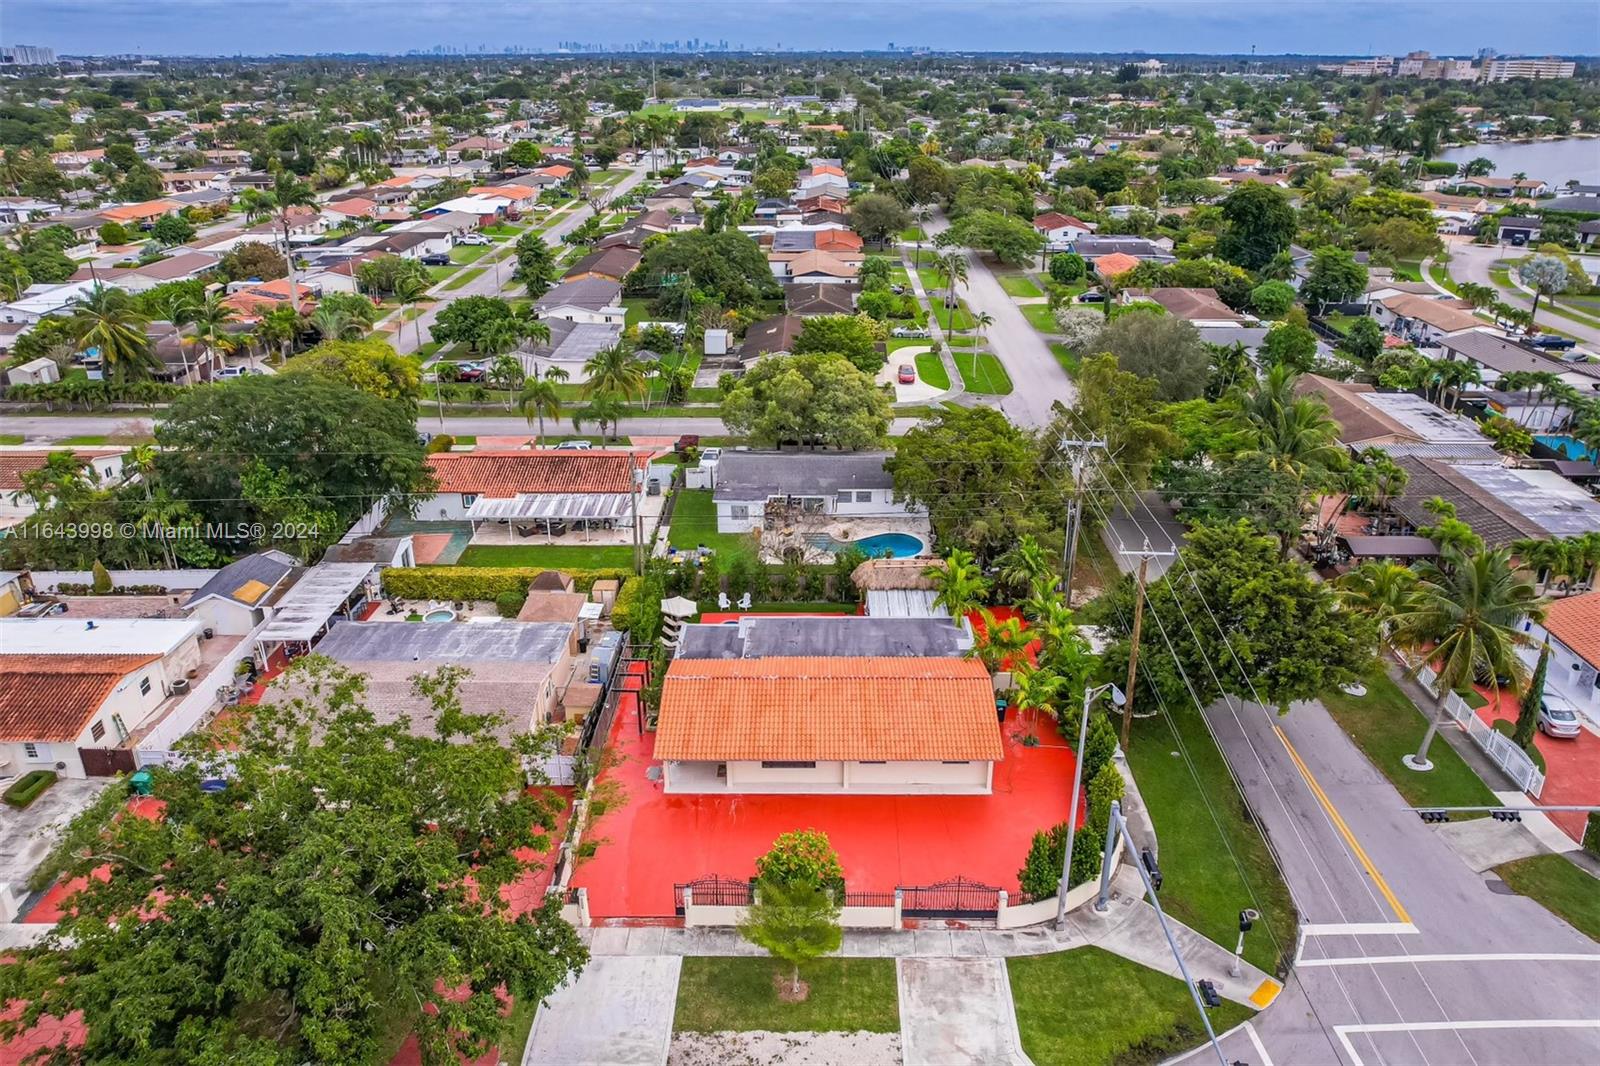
(722, 600)
(744, 602)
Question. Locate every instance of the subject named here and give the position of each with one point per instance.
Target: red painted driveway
(1572, 765)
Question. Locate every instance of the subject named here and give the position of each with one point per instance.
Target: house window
(781, 764)
(955, 762)
(31, 750)
(739, 512)
(144, 685)
(97, 730)
(468, 499)
(855, 496)
(874, 762)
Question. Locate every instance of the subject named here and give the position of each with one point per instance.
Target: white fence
(1501, 750)
(47, 581)
(196, 707)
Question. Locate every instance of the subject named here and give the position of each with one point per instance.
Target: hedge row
(26, 789)
(484, 583)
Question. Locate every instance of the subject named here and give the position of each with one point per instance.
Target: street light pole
(1077, 788)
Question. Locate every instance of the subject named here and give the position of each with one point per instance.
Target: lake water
(1556, 162)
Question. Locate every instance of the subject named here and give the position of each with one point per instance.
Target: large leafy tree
(1011, 240)
(878, 217)
(1334, 277)
(1260, 223)
(817, 399)
(727, 269)
(1241, 621)
(853, 336)
(370, 365)
(336, 447)
(471, 320)
(1162, 347)
(981, 478)
(350, 870)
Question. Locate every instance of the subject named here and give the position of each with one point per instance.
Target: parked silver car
(1557, 717)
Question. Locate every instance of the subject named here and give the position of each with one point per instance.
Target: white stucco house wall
(848, 486)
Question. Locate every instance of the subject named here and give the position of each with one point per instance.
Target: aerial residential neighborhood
(863, 535)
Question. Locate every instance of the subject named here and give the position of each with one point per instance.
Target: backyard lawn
(575, 556)
(1203, 886)
(1386, 726)
(1087, 1007)
(847, 995)
(1018, 285)
(638, 309)
(1340, 323)
(1040, 316)
(1568, 892)
(982, 373)
(694, 523)
(931, 371)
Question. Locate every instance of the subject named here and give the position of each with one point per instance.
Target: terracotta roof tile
(509, 473)
(1109, 266)
(52, 697)
(14, 464)
(852, 709)
(1575, 622)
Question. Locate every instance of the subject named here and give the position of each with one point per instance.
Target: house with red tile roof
(466, 478)
(104, 467)
(148, 211)
(1117, 263)
(828, 725)
(1060, 230)
(1572, 626)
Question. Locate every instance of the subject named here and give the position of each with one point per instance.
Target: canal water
(1556, 162)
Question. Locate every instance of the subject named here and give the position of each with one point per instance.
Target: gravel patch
(762, 1048)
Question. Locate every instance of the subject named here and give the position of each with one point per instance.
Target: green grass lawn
(1408, 269)
(1018, 285)
(1340, 323)
(846, 995)
(957, 317)
(516, 1040)
(1039, 316)
(548, 555)
(982, 373)
(931, 370)
(1568, 892)
(638, 309)
(912, 234)
(1088, 1007)
(465, 276)
(1069, 360)
(1440, 274)
(439, 273)
(11, 438)
(1204, 887)
(1386, 726)
(469, 253)
(694, 522)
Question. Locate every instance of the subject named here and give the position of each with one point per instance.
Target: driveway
(26, 836)
(1040, 381)
(955, 1011)
(1572, 765)
(1472, 262)
(619, 1011)
(916, 392)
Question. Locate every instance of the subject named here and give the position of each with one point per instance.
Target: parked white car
(474, 239)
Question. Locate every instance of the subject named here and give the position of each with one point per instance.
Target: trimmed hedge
(1591, 834)
(27, 788)
(484, 583)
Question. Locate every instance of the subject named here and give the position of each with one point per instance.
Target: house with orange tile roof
(148, 211)
(1115, 264)
(1572, 626)
(73, 693)
(104, 467)
(828, 725)
(491, 480)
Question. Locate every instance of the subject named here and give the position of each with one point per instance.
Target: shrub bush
(802, 857)
(484, 583)
(1591, 835)
(27, 788)
(509, 603)
(102, 579)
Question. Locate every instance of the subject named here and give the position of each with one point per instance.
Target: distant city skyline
(1195, 27)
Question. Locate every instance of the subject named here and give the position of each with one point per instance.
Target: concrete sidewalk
(619, 1010)
(1129, 928)
(957, 1011)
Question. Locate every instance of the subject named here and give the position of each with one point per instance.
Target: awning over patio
(1362, 547)
(903, 603)
(551, 506)
(305, 609)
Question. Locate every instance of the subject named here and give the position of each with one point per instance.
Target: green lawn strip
(638, 309)
(694, 524)
(1408, 269)
(1018, 285)
(469, 253)
(462, 278)
(982, 373)
(1386, 726)
(912, 234)
(1069, 360)
(1566, 891)
(521, 1026)
(1562, 311)
(957, 317)
(1441, 276)
(439, 273)
(1088, 1007)
(1039, 316)
(11, 438)
(1203, 886)
(931, 370)
(846, 995)
(961, 341)
(550, 555)
(88, 440)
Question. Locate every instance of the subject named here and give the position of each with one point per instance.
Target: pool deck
(821, 540)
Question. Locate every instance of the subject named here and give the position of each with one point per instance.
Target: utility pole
(1078, 452)
(636, 479)
(1145, 555)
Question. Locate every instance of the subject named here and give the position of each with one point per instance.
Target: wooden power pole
(1145, 555)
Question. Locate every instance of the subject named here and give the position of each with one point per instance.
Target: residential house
(854, 486)
(1401, 423)
(1457, 214)
(571, 345)
(771, 336)
(1423, 320)
(1492, 186)
(141, 213)
(1113, 265)
(1496, 357)
(518, 198)
(1061, 231)
(817, 268)
(1139, 248)
(590, 299)
(73, 691)
(611, 264)
(815, 725)
(480, 145)
(1202, 307)
(758, 636)
(103, 466)
(465, 478)
(1572, 629)
(1511, 228)
(19, 209)
(1501, 504)
(806, 299)
(240, 596)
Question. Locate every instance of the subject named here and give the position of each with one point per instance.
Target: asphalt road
(1407, 955)
(1471, 262)
(1038, 380)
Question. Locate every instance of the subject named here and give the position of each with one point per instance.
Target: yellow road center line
(1344, 830)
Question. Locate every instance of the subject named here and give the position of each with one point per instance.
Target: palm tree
(281, 327)
(1465, 617)
(539, 399)
(1027, 568)
(208, 317)
(335, 324)
(958, 583)
(1381, 590)
(1035, 689)
(613, 373)
(287, 192)
(410, 290)
(981, 322)
(1294, 433)
(605, 409)
(107, 320)
(1003, 643)
(1548, 560)
(954, 266)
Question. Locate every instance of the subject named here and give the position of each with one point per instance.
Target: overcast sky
(256, 27)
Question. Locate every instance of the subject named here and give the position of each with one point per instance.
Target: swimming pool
(894, 545)
(445, 615)
(1566, 447)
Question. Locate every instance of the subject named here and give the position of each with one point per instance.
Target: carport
(324, 593)
(604, 517)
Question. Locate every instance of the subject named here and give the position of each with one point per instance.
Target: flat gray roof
(445, 642)
(757, 475)
(765, 637)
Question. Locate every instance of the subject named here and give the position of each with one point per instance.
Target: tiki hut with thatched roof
(898, 588)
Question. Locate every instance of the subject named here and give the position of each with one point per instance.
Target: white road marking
(1255, 1041)
(1342, 1031)
(1508, 957)
(1358, 928)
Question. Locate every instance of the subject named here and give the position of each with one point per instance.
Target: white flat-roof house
(1572, 626)
(847, 486)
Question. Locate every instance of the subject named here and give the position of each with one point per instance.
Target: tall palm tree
(958, 582)
(605, 409)
(981, 322)
(280, 327)
(335, 324)
(613, 372)
(208, 316)
(1002, 644)
(954, 266)
(1465, 618)
(409, 291)
(107, 319)
(1294, 433)
(1381, 590)
(287, 192)
(539, 399)
(1027, 568)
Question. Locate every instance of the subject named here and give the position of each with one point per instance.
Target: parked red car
(907, 375)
